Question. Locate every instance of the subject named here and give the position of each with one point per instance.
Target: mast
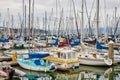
(56, 9)
(25, 21)
(8, 21)
(45, 23)
(97, 30)
(12, 24)
(107, 29)
(20, 30)
(115, 19)
(82, 25)
(75, 18)
(29, 29)
(56, 18)
(32, 18)
(29, 17)
(60, 21)
(38, 25)
(50, 18)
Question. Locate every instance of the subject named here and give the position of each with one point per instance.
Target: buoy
(14, 56)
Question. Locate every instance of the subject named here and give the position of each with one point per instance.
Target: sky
(15, 7)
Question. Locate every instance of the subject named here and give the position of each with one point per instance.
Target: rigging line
(88, 16)
(60, 22)
(105, 8)
(70, 8)
(91, 8)
(116, 26)
(100, 11)
(50, 18)
(59, 5)
(75, 18)
(106, 17)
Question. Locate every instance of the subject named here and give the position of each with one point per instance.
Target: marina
(59, 40)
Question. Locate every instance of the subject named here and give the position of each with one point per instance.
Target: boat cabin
(67, 54)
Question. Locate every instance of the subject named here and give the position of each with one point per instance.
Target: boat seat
(37, 62)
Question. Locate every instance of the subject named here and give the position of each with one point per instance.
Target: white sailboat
(87, 56)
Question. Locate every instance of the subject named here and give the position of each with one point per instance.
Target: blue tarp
(99, 46)
(43, 38)
(56, 43)
(38, 55)
(75, 42)
(54, 39)
(17, 37)
(4, 40)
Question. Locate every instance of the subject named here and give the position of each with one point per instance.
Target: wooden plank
(12, 63)
(2, 78)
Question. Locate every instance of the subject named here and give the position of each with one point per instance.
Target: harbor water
(82, 73)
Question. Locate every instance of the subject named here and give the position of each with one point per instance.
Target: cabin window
(62, 55)
(73, 55)
(65, 57)
(58, 55)
(69, 56)
(86, 56)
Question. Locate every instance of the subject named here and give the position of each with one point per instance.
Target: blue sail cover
(74, 41)
(17, 37)
(55, 41)
(99, 46)
(38, 55)
(43, 38)
(4, 40)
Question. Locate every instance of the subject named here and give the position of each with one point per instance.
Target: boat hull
(93, 62)
(26, 65)
(67, 67)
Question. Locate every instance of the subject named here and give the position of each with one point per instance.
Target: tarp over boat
(4, 40)
(74, 41)
(38, 55)
(99, 46)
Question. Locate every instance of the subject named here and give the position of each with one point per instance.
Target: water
(82, 73)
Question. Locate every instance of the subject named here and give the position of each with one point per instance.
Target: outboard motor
(11, 74)
(53, 66)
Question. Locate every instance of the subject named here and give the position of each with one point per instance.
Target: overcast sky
(41, 6)
(48, 4)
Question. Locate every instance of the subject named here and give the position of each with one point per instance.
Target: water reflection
(83, 73)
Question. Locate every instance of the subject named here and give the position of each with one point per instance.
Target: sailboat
(36, 63)
(89, 55)
(5, 43)
(93, 59)
(34, 60)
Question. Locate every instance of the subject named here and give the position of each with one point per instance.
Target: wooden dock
(11, 63)
(5, 58)
(2, 78)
